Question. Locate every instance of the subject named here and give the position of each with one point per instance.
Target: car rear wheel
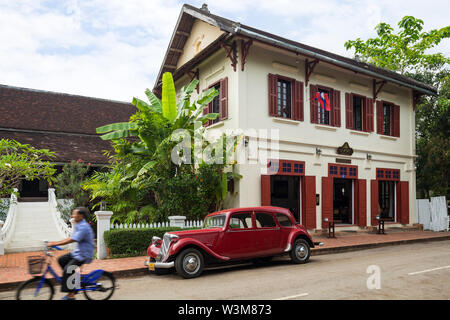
(300, 252)
(189, 263)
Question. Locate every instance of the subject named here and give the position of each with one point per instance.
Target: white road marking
(292, 297)
(429, 270)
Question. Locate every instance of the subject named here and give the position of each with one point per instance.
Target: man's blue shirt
(84, 236)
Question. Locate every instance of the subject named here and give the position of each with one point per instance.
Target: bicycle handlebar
(56, 247)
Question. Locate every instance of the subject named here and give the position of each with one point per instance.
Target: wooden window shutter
(403, 207)
(362, 202)
(374, 202)
(297, 110)
(313, 104)
(336, 108)
(369, 114)
(309, 202)
(327, 200)
(349, 110)
(265, 190)
(396, 121)
(224, 98)
(379, 117)
(272, 95)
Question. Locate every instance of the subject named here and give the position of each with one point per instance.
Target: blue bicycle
(97, 285)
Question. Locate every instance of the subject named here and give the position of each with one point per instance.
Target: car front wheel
(189, 263)
(300, 251)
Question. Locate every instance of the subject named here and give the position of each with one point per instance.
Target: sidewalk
(14, 267)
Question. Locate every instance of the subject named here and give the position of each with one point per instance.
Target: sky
(113, 49)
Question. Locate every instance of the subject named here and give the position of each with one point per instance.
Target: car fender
(182, 243)
(296, 234)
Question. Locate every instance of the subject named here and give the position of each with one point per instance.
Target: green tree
(23, 162)
(403, 51)
(143, 181)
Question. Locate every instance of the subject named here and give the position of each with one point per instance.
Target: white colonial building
(346, 165)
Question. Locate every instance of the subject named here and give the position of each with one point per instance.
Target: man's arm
(60, 243)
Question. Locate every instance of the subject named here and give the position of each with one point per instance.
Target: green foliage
(68, 185)
(22, 162)
(144, 182)
(403, 51)
(133, 241)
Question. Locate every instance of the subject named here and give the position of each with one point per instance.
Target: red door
(268, 234)
(361, 203)
(327, 200)
(265, 190)
(374, 202)
(309, 202)
(239, 237)
(403, 202)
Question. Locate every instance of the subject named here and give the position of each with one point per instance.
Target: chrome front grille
(164, 247)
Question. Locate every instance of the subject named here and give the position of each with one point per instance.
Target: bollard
(103, 224)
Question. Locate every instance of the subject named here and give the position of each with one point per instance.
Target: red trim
(387, 174)
(374, 202)
(360, 203)
(327, 200)
(286, 167)
(309, 202)
(343, 171)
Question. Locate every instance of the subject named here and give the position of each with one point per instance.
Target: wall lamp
(369, 157)
(318, 151)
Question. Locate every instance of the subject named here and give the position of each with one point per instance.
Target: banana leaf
(169, 98)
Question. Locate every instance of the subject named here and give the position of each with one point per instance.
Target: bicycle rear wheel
(103, 288)
(27, 290)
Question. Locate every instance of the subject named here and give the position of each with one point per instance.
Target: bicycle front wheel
(29, 290)
(102, 289)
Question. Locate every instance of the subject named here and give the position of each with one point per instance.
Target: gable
(202, 34)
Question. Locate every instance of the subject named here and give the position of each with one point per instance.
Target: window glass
(265, 220)
(323, 115)
(386, 119)
(241, 221)
(357, 113)
(214, 221)
(283, 220)
(284, 98)
(215, 104)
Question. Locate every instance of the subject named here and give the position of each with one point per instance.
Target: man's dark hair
(83, 210)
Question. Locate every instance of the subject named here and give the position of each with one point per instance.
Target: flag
(323, 99)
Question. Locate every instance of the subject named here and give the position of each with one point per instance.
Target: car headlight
(173, 236)
(154, 239)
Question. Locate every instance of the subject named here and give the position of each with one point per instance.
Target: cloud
(113, 49)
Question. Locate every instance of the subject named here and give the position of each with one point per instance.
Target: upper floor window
(220, 102)
(358, 112)
(321, 115)
(388, 118)
(285, 97)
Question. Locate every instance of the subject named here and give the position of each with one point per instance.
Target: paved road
(415, 271)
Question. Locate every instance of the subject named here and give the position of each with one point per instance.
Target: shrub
(133, 241)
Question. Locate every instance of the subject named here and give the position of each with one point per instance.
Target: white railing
(62, 226)
(8, 226)
(188, 224)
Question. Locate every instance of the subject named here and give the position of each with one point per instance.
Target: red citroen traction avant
(257, 234)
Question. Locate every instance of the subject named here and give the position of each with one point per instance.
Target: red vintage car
(256, 233)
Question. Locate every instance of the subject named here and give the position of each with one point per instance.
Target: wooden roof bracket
(376, 90)
(194, 75)
(245, 48)
(416, 97)
(231, 51)
(309, 68)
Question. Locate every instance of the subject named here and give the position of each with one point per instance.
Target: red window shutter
(297, 113)
(361, 203)
(396, 121)
(265, 190)
(374, 202)
(369, 114)
(349, 110)
(403, 213)
(309, 202)
(272, 94)
(327, 200)
(379, 117)
(224, 98)
(313, 104)
(336, 108)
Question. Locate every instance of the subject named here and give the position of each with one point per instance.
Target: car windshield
(214, 221)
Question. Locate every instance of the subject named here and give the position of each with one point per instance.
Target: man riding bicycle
(84, 252)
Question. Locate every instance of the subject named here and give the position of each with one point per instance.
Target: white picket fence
(188, 224)
(433, 214)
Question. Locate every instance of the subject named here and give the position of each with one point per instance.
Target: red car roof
(260, 209)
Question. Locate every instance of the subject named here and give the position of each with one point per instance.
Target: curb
(314, 252)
